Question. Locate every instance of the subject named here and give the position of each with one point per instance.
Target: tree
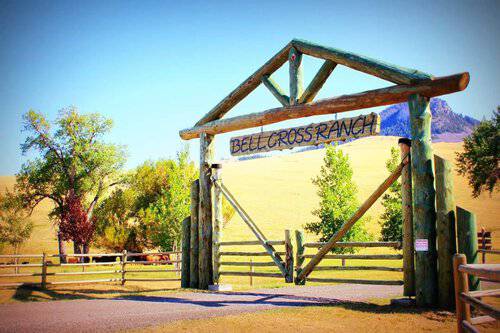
(74, 167)
(480, 159)
(338, 200)
(148, 211)
(15, 227)
(392, 217)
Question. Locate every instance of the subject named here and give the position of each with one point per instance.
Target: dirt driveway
(141, 311)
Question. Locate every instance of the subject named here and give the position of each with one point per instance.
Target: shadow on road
(222, 299)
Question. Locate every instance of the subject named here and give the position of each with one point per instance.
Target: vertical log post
(467, 241)
(185, 266)
(205, 216)
(299, 239)
(123, 267)
(44, 271)
(424, 212)
(445, 227)
(194, 241)
(407, 207)
(462, 308)
(218, 220)
(288, 257)
(295, 70)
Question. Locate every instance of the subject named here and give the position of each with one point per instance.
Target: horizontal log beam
(229, 273)
(355, 281)
(85, 281)
(245, 263)
(372, 98)
(246, 87)
(358, 268)
(231, 243)
(357, 244)
(152, 279)
(481, 306)
(249, 254)
(484, 271)
(383, 70)
(359, 256)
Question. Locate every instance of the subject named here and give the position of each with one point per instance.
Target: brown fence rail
(465, 299)
(122, 260)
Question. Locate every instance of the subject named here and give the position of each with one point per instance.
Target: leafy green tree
(148, 211)
(392, 218)
(481, 156)
(15, 226)
(71, 159)
(338, 200)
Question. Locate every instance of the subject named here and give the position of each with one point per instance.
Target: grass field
(376, 316)
(278, 194)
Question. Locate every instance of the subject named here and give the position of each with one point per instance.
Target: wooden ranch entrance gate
(410, 86)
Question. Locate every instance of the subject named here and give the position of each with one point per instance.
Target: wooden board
(308, 135)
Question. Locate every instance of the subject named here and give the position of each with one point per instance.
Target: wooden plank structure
(117, 269)
(465, 298)
(409, 85)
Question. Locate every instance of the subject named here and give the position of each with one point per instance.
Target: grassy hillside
(277, 192)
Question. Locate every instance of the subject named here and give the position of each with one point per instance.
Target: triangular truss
(301, 103)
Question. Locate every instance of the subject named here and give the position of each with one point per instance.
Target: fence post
(424, 209)
(462, 308)
(124, 261)
(288, 257)
(445, 227)
(194, 242)
(218, 220)
(186, 235)
(407, 208)
(299, 238)
(207, 148)
(44, 271)
(467, 241)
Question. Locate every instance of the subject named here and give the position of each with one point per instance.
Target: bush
(338, 200)
(481, 157)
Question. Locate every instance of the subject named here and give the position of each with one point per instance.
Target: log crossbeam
(276, 90)
(372, 98)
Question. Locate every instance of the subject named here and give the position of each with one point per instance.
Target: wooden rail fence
(285, 256)
(301, 248)
(119, 268)
(465, 299)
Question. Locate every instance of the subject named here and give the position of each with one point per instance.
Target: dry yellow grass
(375, 317)
(277, 191)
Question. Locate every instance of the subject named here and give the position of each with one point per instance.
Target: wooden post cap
(405, 141)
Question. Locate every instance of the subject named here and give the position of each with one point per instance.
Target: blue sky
(157, 67)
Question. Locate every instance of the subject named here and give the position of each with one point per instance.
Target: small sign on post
(308, 135)
(421, 245)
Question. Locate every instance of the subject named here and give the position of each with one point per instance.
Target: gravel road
(141, 311)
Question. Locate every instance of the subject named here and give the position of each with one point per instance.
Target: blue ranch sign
(313, 134)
